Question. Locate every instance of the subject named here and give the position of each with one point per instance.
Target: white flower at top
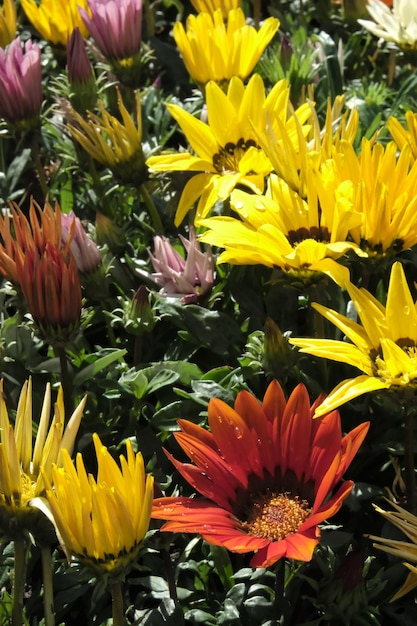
(398, 24)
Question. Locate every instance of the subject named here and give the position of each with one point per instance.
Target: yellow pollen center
(275, 516)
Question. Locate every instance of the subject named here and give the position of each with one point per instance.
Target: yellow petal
(400, 310)
(348, 390)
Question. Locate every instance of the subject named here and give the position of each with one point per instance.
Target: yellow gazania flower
(7, 23)
(210, 6)
(381, 184)
(118, 145)
(403, 137)
(289, 147)
(102, 522)
(384, 347)
(214, 50)
(20, 477)
(56, 19)
(283, 230)
(407, 550)
(226, 149)
(398, 24)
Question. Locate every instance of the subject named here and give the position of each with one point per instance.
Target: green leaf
(93, 368)
(135, 382)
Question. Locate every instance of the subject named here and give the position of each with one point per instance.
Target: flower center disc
(228, 157)
(274, 516)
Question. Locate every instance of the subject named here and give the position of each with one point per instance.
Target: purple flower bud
(78, 64)
(86, 254)
(115, 26)
(80, 74)
(20, 83)
(182, 278)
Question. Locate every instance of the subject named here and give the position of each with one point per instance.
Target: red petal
(351, 444)
(330, 508)
(295, 432)
(270, 554)
(234, 439)
(197, 432)
(327, 482)
(219, 485)
(300, 546)
(274, 401)
(252, 413)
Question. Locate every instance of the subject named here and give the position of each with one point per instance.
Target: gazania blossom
(210, 6)
(290, 146)
(7, 23)
(384, 346)
(398, 25)
(34, 257)
(404, 136)
(214, 50)
(115, 26)
(118, 145)
(50, 284)
(20, 233)
(20, 83)
(380, 183)
(281, 229)
(21, 458)
(226, 149)
(406, 550)
(187, 278)
(56, 19)
(101, 521)
(270, 475)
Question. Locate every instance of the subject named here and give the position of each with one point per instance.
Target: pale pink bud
(85, 252)
(182, 278)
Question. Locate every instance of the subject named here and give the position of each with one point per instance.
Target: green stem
(48, 592)
(38, 165)
(279, 588)
(410, 474)
(149, 19)
(19, 579)
(109, 328)
(152, 210)
(105, 205)
(137, 356)
(169, 572)
(117, 604)
(256, 12)
(65, 380)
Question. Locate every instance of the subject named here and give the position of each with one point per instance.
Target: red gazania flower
(268, 472)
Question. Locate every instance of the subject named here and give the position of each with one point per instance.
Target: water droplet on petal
(238, 432)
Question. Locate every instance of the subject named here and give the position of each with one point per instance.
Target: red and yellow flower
(270, 475)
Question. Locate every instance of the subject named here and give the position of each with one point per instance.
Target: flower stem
(256, 12)
(48, 593)
(152, 210)
(38, 165)
(65, 380)
(169, 571)
(279, 588)
(410, 474)
(117, 603)
(19, 579)
(149, 19)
